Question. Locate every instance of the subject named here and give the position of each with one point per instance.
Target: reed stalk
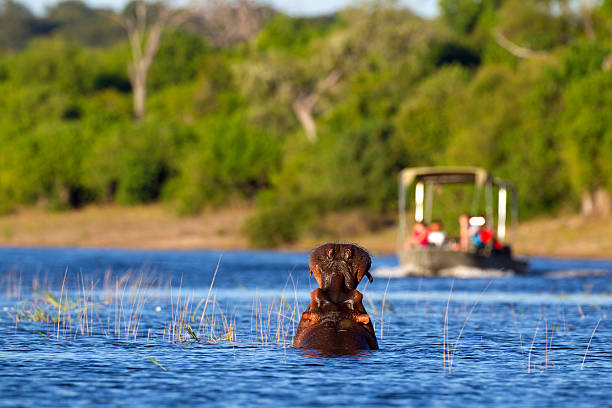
(445, 335)
(59, 306)
(531, 347)
(452, 355)
(589, 345)
(382, 311)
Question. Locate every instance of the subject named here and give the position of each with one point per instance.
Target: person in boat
(484, 239)
(420, 232)
(436, 236)
(464, 232)
(470, 229)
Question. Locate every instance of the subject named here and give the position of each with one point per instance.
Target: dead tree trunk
(303, 106)
(596, 203)
(144, 38)
(586, 11)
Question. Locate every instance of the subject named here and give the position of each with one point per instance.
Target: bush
(228, 159)
(278, 220)
(340, 172)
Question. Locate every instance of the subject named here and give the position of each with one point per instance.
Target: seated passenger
(436, 236)
(484, 238)
(418, 237)
(464, 233)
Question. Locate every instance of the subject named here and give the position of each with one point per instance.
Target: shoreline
(294, 248)
(152, 227)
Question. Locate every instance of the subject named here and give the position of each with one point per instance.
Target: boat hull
(436, 261)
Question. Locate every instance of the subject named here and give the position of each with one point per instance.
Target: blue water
(516, 340)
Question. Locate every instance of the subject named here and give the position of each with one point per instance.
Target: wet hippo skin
(335, 319)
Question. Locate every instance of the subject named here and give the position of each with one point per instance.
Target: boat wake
(577, 273)
(463, 272)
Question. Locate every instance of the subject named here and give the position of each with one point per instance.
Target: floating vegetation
(157, 364)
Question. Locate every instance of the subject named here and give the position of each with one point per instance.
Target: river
(83, 327)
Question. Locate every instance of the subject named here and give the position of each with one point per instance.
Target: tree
(305, 64)
(461, 15)
(18, 25)
(145, 24)
(226, 23)
(285, 76)
(77, 22)
(587, 141)
(303, 105)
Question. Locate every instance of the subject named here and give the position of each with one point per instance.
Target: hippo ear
(330, 253)
(364, 268)
(364, 272)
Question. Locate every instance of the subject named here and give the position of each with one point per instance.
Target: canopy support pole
(501, 212)
(419, 195)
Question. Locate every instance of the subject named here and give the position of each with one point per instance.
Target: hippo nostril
(347, 254)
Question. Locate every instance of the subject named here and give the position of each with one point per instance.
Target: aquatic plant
(116, 310)
(589, 345)
(80, 308)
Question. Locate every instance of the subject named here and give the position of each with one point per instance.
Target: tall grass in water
(539, 353)
(138, 306)
(79, 307)
(275, 323)
(589, 345)
(115, 310)
(449, 353)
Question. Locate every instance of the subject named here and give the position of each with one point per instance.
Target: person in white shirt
(436, 237)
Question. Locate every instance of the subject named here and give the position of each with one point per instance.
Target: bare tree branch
(144, 39)
(606, 65)
(586, 10)
(303, 106)
(517, 50)
(232, 21)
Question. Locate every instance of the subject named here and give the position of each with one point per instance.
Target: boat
(490, 200)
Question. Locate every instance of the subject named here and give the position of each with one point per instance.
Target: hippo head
(335, 319)
(339, 267)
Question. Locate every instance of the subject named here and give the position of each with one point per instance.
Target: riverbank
(154, 227)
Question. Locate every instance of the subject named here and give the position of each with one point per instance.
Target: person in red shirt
(418, 237)
(486, 238)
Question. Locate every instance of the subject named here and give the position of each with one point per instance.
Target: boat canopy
(445, 175)
(426, 177)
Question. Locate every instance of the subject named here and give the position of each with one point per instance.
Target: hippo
(335, 320)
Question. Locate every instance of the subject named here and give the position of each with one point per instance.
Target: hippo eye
(330, 253)
(347, 254)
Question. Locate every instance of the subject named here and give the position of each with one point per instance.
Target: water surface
(512, 340)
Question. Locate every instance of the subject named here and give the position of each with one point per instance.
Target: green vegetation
(307, 117)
